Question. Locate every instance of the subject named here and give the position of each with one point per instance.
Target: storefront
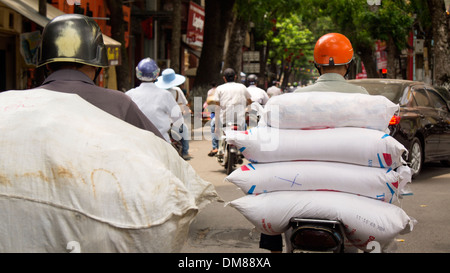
(20, 29)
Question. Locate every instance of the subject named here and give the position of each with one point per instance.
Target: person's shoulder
(240, 86)
(107, 91)
(353, 88)
(308, 88)
(261, 90)
(222, 87)
(117, 95)
(361, 89)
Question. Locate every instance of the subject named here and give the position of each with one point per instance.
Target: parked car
(423, 123)
(445, 92)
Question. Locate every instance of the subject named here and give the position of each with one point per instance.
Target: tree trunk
(233, 56)
(118, 34)
(391, 50)
(366, 55)
(217, 16)
(176, 37)
(441, 51)
(43, 7)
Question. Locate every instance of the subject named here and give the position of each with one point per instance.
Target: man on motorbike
(232, 99)
(333, 54)
(73, 52)
(258, 95)
(156, 103)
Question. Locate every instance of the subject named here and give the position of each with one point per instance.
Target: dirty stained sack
(75, 178)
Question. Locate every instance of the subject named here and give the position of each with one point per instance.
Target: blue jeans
(184, 131)
(185, 146)
(215, 139)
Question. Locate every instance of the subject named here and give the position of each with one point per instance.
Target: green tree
(291, 46)
(276, 27)
(364, 23)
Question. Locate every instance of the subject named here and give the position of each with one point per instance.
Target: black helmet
(252, 79)
(229, 74)
(73, 38)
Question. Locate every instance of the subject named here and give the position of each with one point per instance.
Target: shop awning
(30, 9)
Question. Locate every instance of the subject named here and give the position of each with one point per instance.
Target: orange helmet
(333, 49)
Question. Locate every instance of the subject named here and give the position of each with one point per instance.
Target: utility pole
(43, 7)
(176, 37)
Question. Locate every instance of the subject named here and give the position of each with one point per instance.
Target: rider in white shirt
(274, 90)
(232, 99)
(170, 81)
(157, 104)
(258, 95)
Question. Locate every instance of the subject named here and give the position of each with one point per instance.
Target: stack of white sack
(75, 178)
(326, 165)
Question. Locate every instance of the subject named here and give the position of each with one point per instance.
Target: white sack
(377, 183)
(359, 146)
(74, 175)
(365, 219)
(328, 109)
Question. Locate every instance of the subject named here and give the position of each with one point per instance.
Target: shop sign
(113, 55)
(196, 24)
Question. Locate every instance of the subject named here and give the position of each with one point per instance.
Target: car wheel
(446, 163)
(415, 157)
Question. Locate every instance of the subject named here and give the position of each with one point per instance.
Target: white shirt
(158, 105)
(181, 99)
(232, 98)
(178, 94)
(273, 91)
(258, 95)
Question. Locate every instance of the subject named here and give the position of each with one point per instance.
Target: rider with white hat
(171, 81)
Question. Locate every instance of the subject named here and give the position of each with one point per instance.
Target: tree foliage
(286, 30)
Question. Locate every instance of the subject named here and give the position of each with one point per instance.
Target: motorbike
(315, 235)
(231, 154)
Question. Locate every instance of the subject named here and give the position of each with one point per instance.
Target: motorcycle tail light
(395, 120)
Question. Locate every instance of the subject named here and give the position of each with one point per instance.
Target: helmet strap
(348, 68)
(97, 72)
(318, 69)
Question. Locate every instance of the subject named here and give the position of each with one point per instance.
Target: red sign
(381, 54)
(196, 23)
(363, 74)
(147, 27)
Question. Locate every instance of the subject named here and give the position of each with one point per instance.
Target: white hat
(169, 79)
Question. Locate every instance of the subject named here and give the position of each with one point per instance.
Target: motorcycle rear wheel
(231, 161)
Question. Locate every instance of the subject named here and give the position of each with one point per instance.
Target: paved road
(220, 228)
(430, 205)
